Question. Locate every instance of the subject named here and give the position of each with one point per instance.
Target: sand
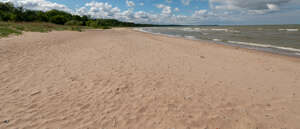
(124, 79)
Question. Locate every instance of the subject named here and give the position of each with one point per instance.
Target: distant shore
(121, 78)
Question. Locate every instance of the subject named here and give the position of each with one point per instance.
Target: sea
(280, 39)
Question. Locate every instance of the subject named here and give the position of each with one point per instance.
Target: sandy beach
(125, 79)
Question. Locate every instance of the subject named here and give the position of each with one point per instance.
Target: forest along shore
(121, 78)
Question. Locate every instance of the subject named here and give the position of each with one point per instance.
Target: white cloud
(105, 10)
(141, 14)
(273, 7)
(143, 17)
(141, 4)
(185, 2)
(126, 15)
(248, 6)
(130, 3)
(166, 10)
(200, 12)
(176, 9)
(43, 5)
(99, 10)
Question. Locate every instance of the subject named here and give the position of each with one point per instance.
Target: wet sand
(124, 79)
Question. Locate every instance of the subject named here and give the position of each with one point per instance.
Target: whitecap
(189, 37)
(234, 31)
(265, 46)
(226, 30)
(291, 30)
(187, 29)
(218, 40)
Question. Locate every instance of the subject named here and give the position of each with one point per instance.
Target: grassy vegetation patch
(105, 27)
(7, 28)
(5, 31)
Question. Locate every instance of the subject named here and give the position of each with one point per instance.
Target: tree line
(8, 12)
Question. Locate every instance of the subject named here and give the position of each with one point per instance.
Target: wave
(190, 37)
(291, 30)
(207, 30)
(157, 33)
(199, 29)
(226, 30)
(265, 46)
(140, 29)
(217, 40)
(188, 29)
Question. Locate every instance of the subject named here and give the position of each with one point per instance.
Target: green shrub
(105, 27)
(21, 28)
(76, 29)
(74, 23)
(92, 23)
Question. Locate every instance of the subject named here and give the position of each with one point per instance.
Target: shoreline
(122, 78)
(287, 51)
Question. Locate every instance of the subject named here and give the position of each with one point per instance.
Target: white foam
(171, 28)
(170, 35)
(234, 31)
(265, 46)
(226, 30)
(142, 30)
(139, 29)
(260, 29)
(218, 40)
(199, 29)
(187, 29)
(291, 30)
(190, 37)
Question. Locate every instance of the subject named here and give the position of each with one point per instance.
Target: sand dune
(124, 79)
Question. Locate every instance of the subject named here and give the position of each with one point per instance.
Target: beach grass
(5, 31)
(16, 28)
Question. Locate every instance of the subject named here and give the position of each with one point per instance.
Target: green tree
(29, 16)
(58, 19)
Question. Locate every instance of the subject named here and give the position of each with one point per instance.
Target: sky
(183, 12)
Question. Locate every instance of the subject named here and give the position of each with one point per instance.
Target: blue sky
(178, 11)
(148, 4)
(144, 5)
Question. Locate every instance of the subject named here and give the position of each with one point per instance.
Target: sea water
(283, 39)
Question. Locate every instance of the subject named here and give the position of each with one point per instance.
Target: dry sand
(124, 79)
